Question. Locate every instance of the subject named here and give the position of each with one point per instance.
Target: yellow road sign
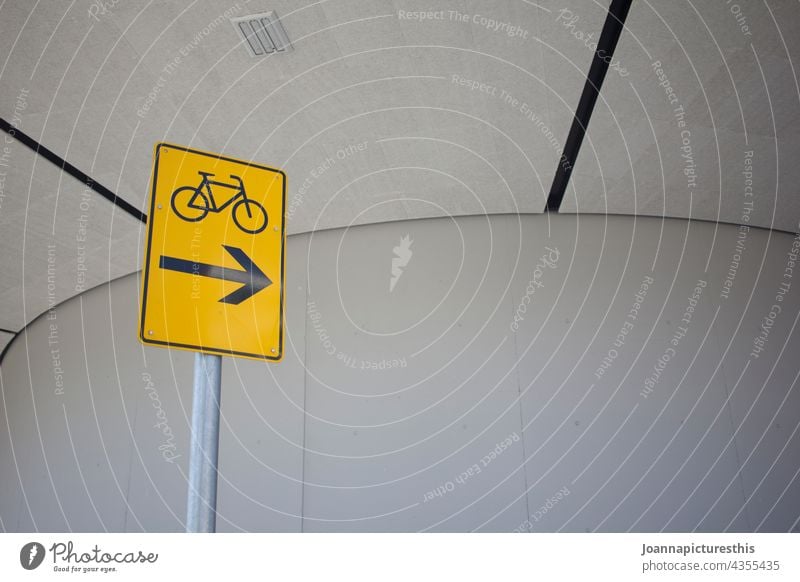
(213, 263)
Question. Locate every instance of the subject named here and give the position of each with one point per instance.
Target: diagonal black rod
(51, 156)
(612, 29)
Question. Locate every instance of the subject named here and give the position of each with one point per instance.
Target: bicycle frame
(212, 203)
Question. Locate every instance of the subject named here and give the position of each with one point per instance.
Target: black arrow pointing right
(253, 278)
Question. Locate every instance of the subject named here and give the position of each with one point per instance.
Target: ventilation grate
(263, 34)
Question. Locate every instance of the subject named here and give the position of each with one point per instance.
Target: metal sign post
(201, 508)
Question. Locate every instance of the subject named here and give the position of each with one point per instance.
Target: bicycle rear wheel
(189, 203)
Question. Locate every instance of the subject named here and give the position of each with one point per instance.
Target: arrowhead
(253, 278)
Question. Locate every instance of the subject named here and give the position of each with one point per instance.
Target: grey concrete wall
(473, 395)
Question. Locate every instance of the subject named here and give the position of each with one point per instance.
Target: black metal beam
(4, 351)
(51, 156)
(612, 29)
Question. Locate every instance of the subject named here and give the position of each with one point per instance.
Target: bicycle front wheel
(250, 216)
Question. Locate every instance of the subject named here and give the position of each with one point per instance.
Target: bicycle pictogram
(193, 203)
